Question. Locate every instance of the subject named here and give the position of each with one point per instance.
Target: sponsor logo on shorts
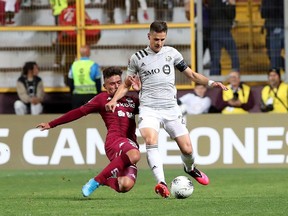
(133, 143)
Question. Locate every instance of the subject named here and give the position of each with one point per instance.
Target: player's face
(112, 83)
(157, 40)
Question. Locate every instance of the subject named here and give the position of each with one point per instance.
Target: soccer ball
(181, 187)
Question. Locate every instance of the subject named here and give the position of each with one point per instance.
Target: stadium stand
(114, 46)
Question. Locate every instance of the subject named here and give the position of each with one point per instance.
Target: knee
(184, 144)
(125, 184)
(187, 151)
(150, 136)
(150, 140)
(134, 156)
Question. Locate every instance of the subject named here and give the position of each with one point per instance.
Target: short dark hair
(28, 66)
(158, 26)
(111, 71)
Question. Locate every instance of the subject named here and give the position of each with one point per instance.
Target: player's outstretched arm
(65, 118)
(218, 84)
(199, 78)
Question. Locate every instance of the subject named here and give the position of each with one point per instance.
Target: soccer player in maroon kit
(121, 146)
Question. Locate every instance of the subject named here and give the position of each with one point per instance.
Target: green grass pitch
(58, 192)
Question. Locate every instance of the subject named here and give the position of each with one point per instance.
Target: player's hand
(219, 85)
(110, 106)
(43, 126)
(136, 84)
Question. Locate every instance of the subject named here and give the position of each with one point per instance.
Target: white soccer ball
(181, 187)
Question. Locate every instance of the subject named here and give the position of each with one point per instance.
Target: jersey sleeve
(95, 105)
(132, 66)
(177, 56)
(67, 117)
(179, 62)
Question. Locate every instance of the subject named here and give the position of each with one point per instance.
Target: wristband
(210, 82)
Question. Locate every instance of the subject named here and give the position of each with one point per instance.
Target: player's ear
(104, 86)
(148, 35)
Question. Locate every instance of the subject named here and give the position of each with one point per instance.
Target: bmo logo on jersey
(166, 69)
(151, 72)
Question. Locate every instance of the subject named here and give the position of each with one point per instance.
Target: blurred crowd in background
(223, 33)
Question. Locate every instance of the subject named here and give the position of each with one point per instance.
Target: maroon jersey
(120, 124)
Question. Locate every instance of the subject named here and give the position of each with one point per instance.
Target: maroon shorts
(122, 146)
(119, 146)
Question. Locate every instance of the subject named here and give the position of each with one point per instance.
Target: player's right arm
(130, 79)
(67, 117)
(121, 92)
(92, 106)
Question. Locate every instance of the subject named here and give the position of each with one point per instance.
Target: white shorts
(170, 119)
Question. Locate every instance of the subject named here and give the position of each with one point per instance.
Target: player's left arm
(182, 66)
(199, 78)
